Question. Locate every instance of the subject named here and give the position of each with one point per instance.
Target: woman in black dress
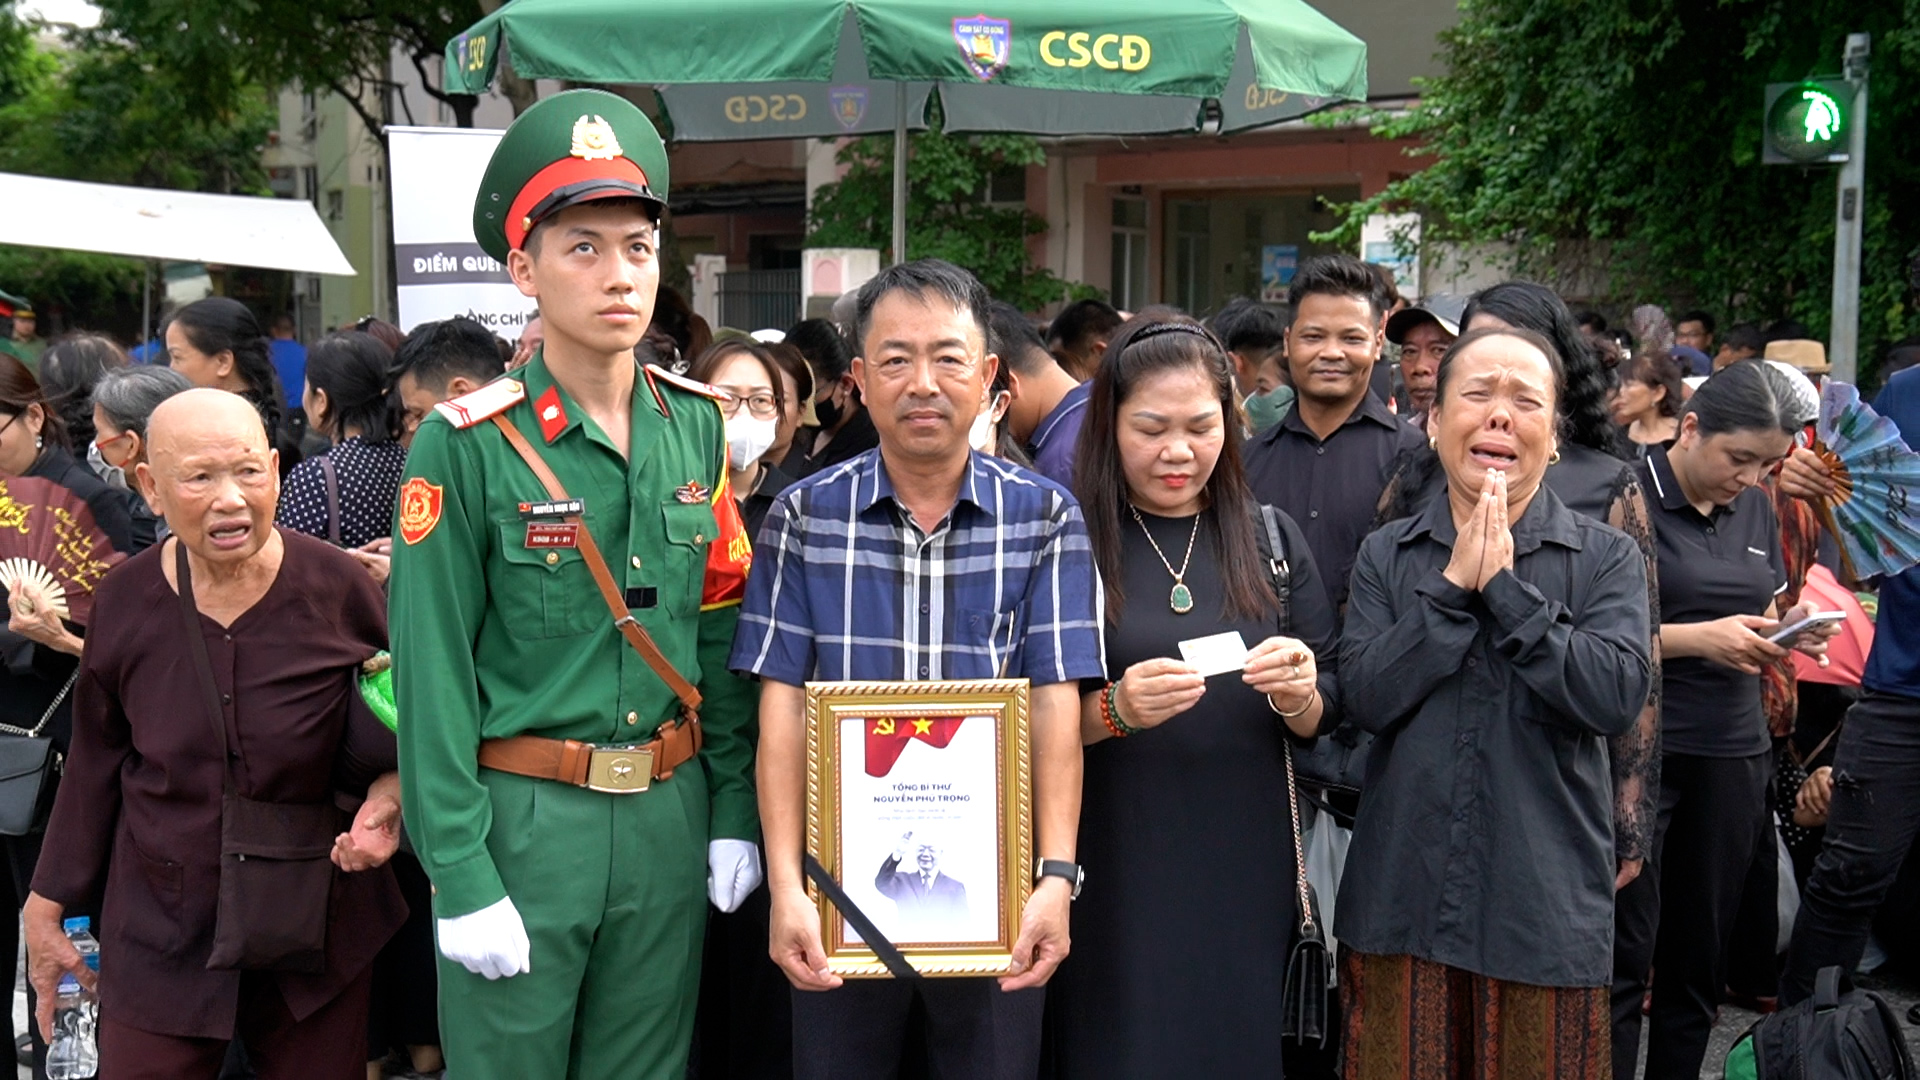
(1181, 940)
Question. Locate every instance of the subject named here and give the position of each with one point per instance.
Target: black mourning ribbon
(877, 941)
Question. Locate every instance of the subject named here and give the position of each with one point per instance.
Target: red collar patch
(551, 414)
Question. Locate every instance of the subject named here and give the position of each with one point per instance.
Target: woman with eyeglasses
(39, 651)
(123, 402)
(744, 1025)
(756, 399)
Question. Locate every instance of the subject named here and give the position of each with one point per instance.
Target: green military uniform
(19, 351)
(500, 632)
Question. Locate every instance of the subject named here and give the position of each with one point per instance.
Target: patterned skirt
(1412, 1019)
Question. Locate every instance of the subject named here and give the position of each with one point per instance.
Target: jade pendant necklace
(1181, 598)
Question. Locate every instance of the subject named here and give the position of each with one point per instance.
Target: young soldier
(555, 780)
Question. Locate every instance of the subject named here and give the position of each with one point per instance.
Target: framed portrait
(920, 804)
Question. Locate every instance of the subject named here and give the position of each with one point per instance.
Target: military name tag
(562, 508)
(563, 534)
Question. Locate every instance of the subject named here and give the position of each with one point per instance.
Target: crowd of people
(1512, 757)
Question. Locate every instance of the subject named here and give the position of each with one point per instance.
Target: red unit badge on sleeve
(419, 509)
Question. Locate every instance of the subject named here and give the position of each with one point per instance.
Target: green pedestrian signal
(1806, 122)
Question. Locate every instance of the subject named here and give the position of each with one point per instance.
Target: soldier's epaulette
(483, 404)
(657, 375)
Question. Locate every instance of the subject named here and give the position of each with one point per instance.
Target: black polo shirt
(1711, 566)
(1331, 487)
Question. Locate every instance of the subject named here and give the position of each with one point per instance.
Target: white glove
(490, 942)
(733, 871)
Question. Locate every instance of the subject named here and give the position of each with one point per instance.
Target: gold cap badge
(593, 140)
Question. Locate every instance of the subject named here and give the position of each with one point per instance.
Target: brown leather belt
(620, 770)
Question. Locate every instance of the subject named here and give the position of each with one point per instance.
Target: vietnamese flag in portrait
(887, 738)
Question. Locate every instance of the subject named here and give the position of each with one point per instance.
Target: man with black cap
(1422, 335)
(576, 758)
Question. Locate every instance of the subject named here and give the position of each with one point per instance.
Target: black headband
(1160, 328)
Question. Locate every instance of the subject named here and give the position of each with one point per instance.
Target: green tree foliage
(345, 46)
(1638, 123)
(108, 115)
(96, 109)
(948, 216)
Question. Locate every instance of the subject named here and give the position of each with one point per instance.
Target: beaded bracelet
(1110, 714)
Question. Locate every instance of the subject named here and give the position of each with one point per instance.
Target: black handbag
(1310, 967)
(276, 870)
(27, 758)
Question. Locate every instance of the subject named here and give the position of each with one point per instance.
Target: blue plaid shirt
(845, 586)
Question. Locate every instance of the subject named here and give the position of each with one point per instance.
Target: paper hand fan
(48, 524)
(1873, 513)
(16, 571)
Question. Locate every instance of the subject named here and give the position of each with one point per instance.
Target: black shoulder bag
(276, 870)
(1310, 967)
(27, 759)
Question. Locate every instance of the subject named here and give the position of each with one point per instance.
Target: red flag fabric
(887, 738)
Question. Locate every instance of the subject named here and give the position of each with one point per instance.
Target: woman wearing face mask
(747, 372)
(845, 429)
(38, 650)
(744, 1022)
(123, 402)
(1721, 570)
(1493, 642)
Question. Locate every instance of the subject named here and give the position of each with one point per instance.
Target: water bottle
(74, 1053)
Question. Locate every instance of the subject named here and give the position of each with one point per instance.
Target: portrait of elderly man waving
(235, 634)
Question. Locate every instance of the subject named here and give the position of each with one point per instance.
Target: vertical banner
(439, 269)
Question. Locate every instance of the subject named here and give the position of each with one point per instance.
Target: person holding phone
(1720, 570)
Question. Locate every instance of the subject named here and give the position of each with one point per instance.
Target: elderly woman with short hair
(123, 402)
(216, 708)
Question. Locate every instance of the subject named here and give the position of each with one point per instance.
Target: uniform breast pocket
(543, 592)
(690, 531)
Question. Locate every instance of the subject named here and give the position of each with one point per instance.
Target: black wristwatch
(1060, 868)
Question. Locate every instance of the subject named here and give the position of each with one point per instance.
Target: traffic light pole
(1850, 208)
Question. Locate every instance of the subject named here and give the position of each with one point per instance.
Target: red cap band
(562, 173)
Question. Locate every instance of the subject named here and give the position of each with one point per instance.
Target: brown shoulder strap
(623, 620)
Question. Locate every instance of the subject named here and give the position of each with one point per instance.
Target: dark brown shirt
(137, 820)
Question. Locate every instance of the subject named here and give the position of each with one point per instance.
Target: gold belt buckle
(620, 770)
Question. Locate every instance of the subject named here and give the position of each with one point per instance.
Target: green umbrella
(1047, 67)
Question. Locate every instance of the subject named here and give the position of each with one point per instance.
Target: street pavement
(1902, 992)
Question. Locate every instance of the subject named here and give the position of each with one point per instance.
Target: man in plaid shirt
(920, 560)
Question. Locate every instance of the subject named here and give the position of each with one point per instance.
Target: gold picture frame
(911, 844)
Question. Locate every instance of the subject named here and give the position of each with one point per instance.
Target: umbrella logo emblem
(593, 140)
(849, 105)
(984, 44)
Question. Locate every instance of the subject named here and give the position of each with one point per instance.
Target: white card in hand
(1216, 654)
